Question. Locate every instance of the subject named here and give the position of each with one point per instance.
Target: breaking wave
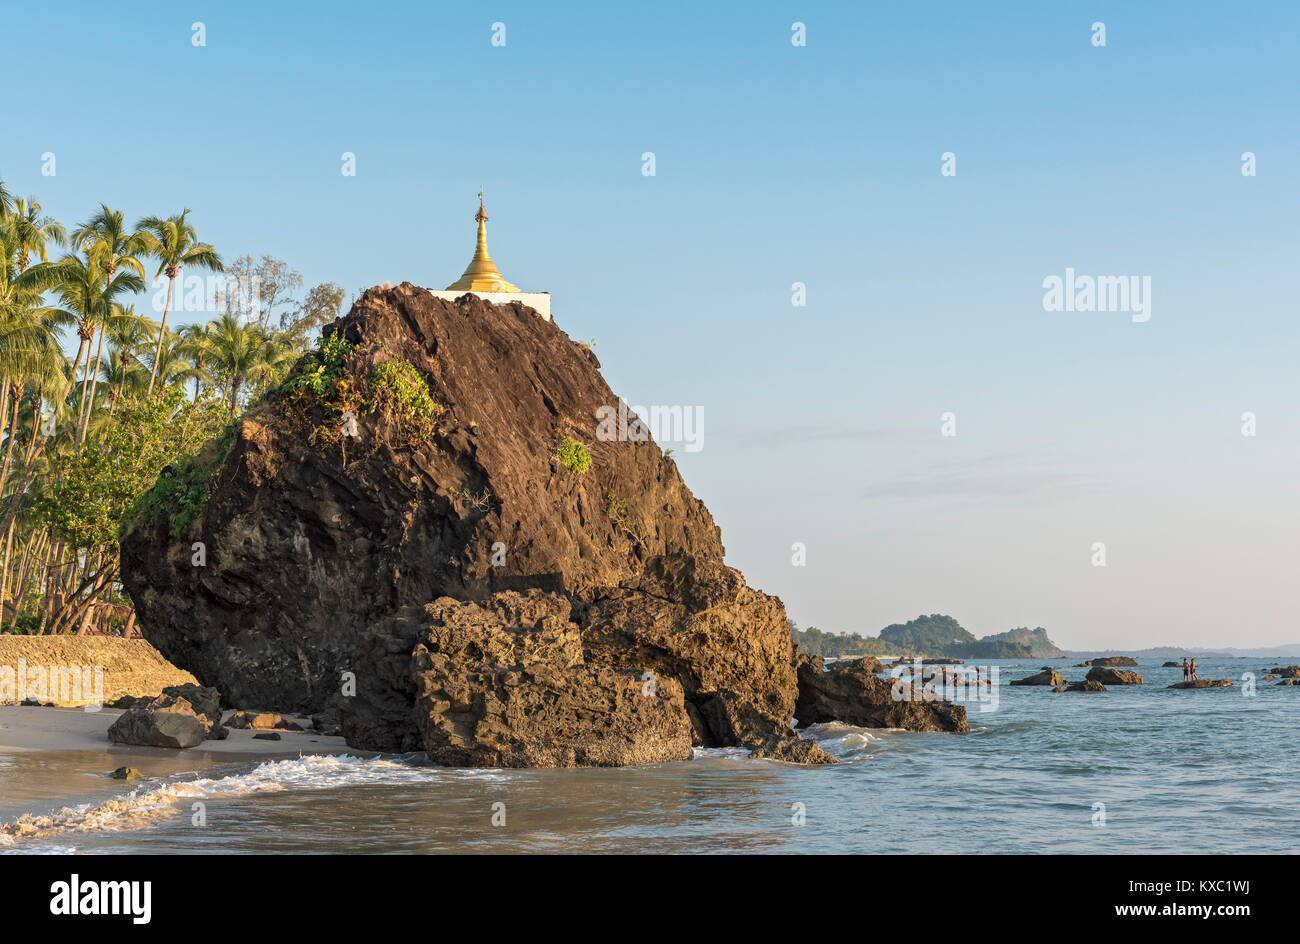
(147, 804)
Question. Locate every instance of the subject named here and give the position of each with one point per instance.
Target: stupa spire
(482, 274)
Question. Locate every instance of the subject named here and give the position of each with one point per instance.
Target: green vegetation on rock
(574, 455)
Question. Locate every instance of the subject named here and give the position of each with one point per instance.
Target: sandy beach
(51, 758)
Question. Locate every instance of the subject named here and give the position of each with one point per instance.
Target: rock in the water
(1290, 681)
(1285, 671)
(1114, 676)
(159, 727)
(126, 773)
(1048, 676)
(1204, 683)
(1170, 665)
(729, 719)
(324, 555)
(266, 736)
(845, 692)
(1087, 685)
(218, 732)
(1109, 661)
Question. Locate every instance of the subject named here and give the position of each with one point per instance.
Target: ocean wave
(148, 804)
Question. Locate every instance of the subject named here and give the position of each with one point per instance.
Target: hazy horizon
(778, 164)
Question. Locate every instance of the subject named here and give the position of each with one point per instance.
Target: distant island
(933, 636)
(939, 636)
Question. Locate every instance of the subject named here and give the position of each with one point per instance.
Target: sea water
(1137, 769)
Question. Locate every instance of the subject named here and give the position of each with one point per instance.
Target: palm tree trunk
(162, 333)
(4, 570)
(72, 374)
(16, 499)
(123, 366)
(9, 448)
(90, 404)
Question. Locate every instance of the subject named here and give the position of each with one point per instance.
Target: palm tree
(6, 201)
(244, 354)
(196, 347)
(128, 335)
(174, 244)
(29, 349)
(109, 247)
(34, 231)
(172, 366)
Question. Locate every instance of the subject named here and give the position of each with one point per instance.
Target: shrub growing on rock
(574, 455)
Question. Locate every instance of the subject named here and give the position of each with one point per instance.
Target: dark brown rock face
(1113, 676)
(452, 584)
(847, 692)
(1110, 661)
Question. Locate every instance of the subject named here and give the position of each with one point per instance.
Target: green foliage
(398, 382)
(104, 491)
(929, 635)
(322, 379)
(574, 455)
(1019, 643)
(817, 643)
(617, 511)
(481, 501)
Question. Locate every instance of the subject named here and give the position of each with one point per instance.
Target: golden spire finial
(481, 275)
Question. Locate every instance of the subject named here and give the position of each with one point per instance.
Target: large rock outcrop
(456, 577)
(849, 692)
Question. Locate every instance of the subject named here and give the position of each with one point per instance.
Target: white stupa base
(539, 302)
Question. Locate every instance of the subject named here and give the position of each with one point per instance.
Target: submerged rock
(459, 576)
(1087, 685)
(1114, 676)
(1204, 683)
(126, 773)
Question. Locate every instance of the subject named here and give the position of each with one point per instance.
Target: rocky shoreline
(478, 572)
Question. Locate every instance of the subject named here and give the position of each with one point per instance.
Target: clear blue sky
(778, 164)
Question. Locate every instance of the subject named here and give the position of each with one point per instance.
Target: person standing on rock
(1187, 670)
(1193, 670)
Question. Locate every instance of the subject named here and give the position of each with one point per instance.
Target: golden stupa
(482, 275)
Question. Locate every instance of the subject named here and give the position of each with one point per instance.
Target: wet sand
(50, 757)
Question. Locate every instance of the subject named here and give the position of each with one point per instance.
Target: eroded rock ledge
(446, 581)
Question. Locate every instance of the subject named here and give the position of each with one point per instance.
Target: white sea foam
(146, 804)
